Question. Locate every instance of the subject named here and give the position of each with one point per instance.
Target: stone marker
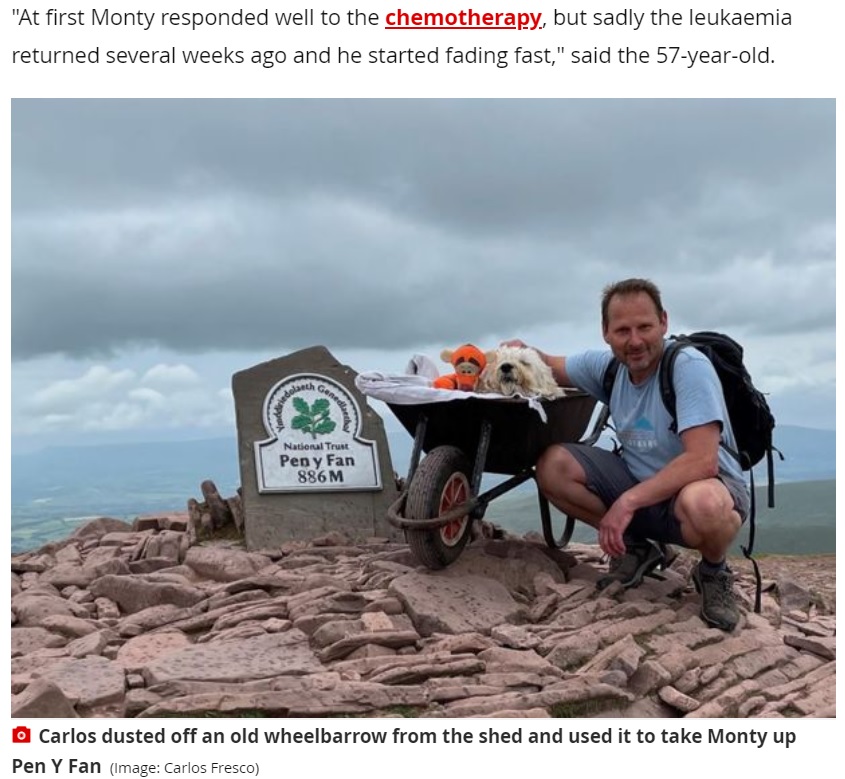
(313, 456)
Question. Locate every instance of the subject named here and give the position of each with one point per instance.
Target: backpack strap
(667, 389)
(666, 377)
(748, 549)
(607, 382)
(770, 464)
(609, 378)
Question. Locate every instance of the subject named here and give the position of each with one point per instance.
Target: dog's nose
(506, 367)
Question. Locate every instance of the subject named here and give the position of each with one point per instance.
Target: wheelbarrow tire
(441, 482)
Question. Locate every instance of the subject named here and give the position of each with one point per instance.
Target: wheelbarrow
(464, 439)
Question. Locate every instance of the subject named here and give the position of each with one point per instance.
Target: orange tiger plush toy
(468, 361)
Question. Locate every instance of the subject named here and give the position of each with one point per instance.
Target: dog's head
(518, 370)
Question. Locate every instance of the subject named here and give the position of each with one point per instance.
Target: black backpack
(751, 418)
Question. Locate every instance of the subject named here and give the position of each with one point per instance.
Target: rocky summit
(147, 620)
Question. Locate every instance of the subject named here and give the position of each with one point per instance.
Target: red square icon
(21, 735)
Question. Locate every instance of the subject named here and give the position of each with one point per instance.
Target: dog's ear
(490, 356)
(446, 355)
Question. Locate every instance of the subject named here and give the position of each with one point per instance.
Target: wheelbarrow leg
(416, 452)
(546, 519)
(484, 435)
(545, 512)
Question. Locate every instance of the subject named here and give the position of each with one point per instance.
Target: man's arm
(698, 461)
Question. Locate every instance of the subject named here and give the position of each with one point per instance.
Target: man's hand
(613, 526)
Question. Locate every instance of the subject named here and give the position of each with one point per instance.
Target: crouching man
(667, 487)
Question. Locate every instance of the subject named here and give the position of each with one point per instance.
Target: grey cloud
(482, 163)
(210, 225)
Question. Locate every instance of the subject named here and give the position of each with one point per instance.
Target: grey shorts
(608, 477)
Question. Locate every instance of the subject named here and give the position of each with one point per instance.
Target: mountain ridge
(54, 484)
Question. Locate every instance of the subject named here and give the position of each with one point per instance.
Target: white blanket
(411, 390)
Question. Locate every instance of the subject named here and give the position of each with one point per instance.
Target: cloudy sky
(160, 246)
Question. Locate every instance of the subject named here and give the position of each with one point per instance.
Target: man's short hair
(629, 287)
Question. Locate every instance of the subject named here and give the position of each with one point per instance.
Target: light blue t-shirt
(641, 421)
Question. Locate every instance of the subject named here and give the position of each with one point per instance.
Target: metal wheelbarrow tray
(463, 439)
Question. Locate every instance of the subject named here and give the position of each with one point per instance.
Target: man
(681, 488)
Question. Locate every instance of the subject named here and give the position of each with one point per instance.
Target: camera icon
(21, 735)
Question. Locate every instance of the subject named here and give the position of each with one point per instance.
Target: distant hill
(809, 454)
(54, 486)
(802, 522)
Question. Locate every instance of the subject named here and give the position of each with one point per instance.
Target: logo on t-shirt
(641, 436)
(643, 424)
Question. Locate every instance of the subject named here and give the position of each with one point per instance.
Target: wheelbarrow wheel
(441, 482)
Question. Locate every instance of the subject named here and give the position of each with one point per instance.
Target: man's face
(635, 333)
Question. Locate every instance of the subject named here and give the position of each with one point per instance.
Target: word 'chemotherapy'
(404, 20)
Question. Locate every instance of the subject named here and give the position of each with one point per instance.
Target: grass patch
(225, 533)
(402, 711)
(238, 714)
(578, 709)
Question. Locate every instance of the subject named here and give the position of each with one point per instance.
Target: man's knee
(706, 507)
(704, 500)
(557, 466)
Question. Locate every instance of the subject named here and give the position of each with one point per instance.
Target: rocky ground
(147, 621)
(817, 573)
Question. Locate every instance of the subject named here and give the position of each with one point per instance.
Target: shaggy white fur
(518, 370)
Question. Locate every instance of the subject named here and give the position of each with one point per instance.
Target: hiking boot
(718, 602)
(670, 554)
(641, 558)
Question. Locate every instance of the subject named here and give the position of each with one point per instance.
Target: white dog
(518, 370)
